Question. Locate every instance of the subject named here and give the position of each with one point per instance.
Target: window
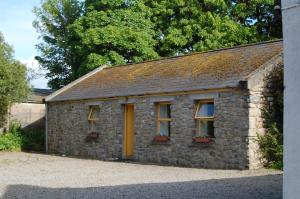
(164, 118)
(205, 118)
(93, 117)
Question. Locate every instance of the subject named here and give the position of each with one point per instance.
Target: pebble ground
(29, 175)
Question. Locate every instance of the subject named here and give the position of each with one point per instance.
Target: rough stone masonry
(68, 127)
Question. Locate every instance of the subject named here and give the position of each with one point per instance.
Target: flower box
(93, 136)
(202, 140)
(161, 138)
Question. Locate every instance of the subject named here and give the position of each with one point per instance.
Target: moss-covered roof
(213, 69)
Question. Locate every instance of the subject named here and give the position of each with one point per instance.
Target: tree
(263, 15)
(13, 82)
(113, 33)
(77, 40)
(186, 26)
(80, 36)
(57, 53)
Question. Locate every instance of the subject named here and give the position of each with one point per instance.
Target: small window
(93, 117)
(205, 119)
(164, 118)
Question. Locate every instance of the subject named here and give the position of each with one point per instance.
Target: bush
(18, 139)
(271, 143)
(10, 142)
(33, 140)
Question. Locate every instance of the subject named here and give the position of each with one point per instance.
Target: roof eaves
(234, 85)
(70, 85)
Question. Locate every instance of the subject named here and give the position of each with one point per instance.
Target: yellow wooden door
(129, 130)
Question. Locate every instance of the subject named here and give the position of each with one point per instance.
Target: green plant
(11, 141)
(17, 139)
(271, 143)
(13, 80)
(33, 140)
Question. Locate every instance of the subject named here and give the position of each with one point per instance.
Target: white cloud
(35, 73)
(31, 63)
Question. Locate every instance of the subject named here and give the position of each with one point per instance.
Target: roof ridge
(196, 53)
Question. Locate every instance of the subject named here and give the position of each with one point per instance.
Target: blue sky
(16, 19)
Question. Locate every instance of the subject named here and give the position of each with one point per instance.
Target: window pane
(95, 113)
(94, 126)
(206, 128)
(206, 110)
(165, 111)
(164, 128)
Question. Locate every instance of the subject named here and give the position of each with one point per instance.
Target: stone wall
(229, 149)
(68, 127)
(255, 102)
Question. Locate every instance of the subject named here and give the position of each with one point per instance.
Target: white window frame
(160, 119)
(199, 119)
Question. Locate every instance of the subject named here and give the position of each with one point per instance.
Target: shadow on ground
(261, 187)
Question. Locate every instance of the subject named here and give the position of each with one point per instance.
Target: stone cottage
(199, 110)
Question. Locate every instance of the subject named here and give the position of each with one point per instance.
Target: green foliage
(271, 143)
(17, 139)
(186, 26)
(33, 140)
(57, 53)
(79, 36)
(114, 33)
(260, 14)
(13, 82)
(10, 142)
(105, 32)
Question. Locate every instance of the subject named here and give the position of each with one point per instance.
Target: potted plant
(161, 138)
(205, 140)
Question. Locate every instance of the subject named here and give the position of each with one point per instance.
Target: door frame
(124, 148)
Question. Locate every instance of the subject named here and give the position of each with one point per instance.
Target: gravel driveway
(26, 175)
